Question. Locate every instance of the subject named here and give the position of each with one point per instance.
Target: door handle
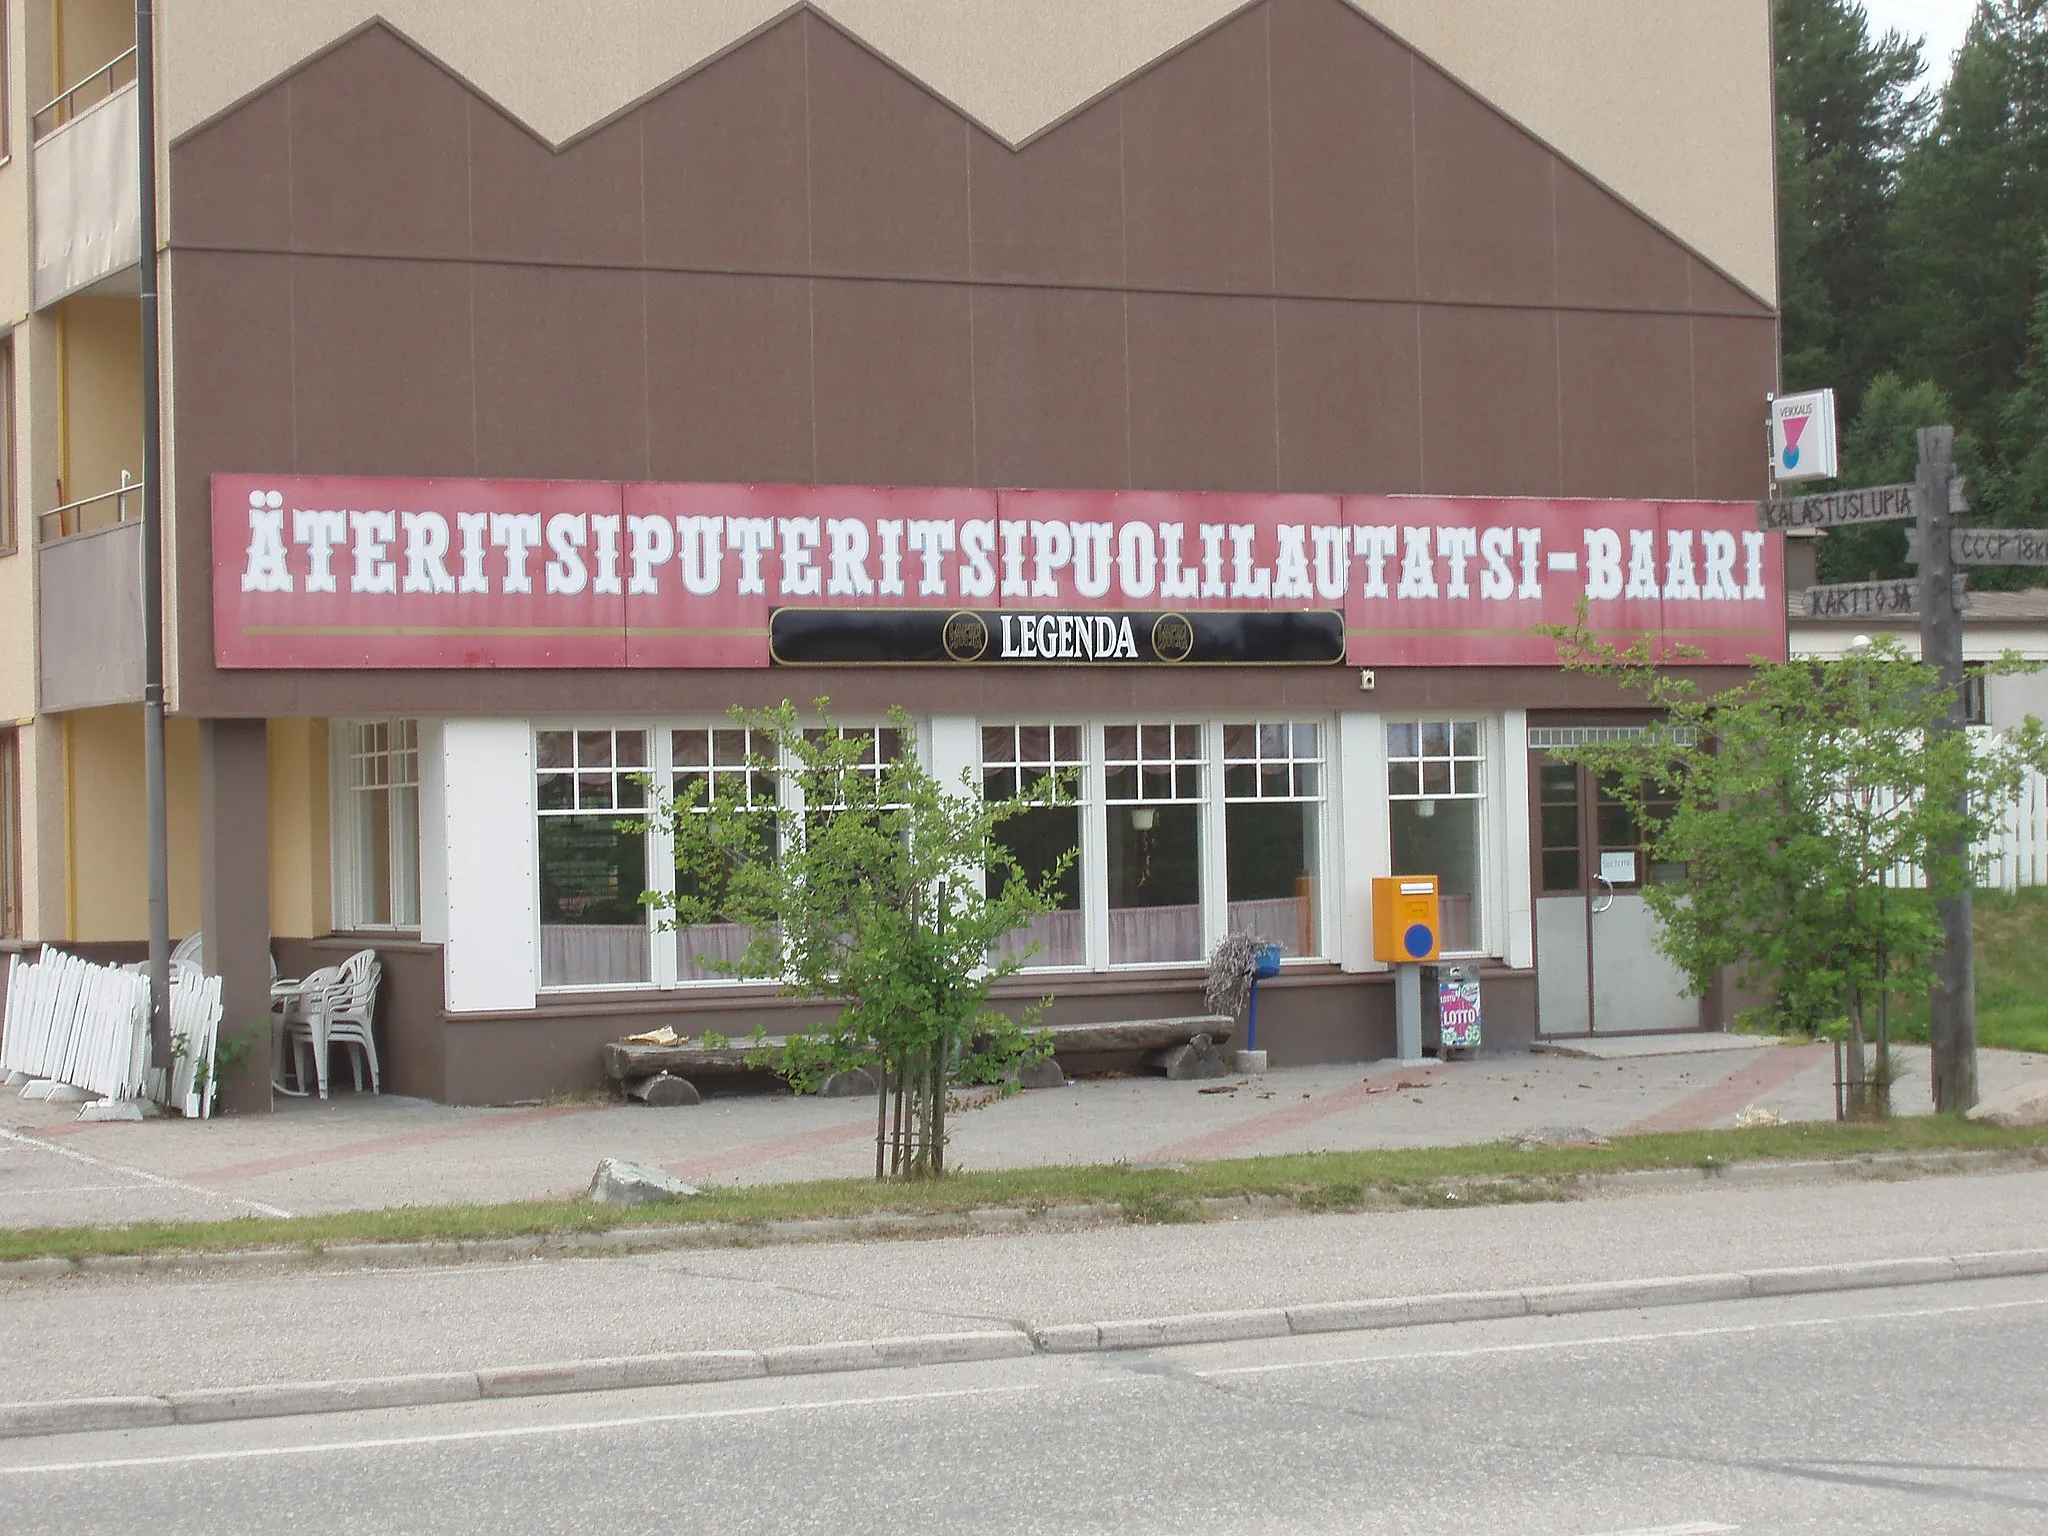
(1598, 904)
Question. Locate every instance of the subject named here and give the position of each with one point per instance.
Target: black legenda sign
(831, 637)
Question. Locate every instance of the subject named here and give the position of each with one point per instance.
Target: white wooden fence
(69, 1021)
(2017, 858)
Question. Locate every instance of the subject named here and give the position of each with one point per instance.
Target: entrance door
(1597, 966)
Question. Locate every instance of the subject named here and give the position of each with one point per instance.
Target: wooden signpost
(1834, 509)
(1938, 596)
(1875, 599)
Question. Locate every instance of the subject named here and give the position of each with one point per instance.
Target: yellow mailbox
(1405, 919)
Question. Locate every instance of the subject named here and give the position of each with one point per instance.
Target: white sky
(1941, 22)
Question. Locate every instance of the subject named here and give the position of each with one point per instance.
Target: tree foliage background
(1914, 256)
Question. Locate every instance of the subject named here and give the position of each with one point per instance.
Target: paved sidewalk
(362, 1152)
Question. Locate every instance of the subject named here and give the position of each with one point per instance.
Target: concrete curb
(218, 1404)
(442, 1252)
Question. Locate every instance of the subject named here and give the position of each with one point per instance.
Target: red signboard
(327, 571)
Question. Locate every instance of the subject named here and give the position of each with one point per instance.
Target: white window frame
(662, 969)
(345, 874)
(1491, 905)
(1212, 815)
(656, 769)
(1327, 891)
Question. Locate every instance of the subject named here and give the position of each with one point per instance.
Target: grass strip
(1491, 1173)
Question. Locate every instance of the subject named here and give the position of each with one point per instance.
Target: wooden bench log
(1138, 1034)
(627, 1061)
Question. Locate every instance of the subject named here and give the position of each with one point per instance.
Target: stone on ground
(1560, 1136)
(1043, 1074)
(1199, 1058)
(2024, 1105)
(618, 1182)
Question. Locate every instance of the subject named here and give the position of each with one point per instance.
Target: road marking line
(509, 1432)
(1617, 1338)
(139, 1173)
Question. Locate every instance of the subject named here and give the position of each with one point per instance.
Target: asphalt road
(1906, 1410)
(145, 1333)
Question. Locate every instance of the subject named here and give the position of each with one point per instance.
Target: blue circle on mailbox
(1418, 940)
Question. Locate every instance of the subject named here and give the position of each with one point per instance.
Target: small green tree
(871, 884)
(1798, 804)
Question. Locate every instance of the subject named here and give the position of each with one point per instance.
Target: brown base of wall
(1307, 1017)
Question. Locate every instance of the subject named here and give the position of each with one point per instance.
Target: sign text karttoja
(1875, 599)
(1880, 504)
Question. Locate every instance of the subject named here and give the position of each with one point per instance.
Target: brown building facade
(1295, 247)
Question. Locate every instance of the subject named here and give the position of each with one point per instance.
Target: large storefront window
(377, 834)
(1272, 831)
(593, 857)
(1152, 793)
(1436, 793)
(708, 764)
(1014, 758)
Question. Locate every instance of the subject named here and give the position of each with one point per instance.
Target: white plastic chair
(337, 1006)
(291, 1004)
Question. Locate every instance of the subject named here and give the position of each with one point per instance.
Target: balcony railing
(89, 92)
(92, 512)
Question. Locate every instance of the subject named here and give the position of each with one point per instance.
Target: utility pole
(1953, 998)
(158, 829)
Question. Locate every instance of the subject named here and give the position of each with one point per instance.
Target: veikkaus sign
(333, 572)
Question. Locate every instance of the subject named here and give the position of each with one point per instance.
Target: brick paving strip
(772, 1151)
(234, 1173)
(1698, 1111)
(1234, 1138)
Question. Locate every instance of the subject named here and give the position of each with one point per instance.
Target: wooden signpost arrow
(1991, 546)
(1833, 509)
(1874, 599)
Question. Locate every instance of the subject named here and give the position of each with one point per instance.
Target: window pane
(1465, 738)
(593, 749)
(1038, 839)
(375, 841)
(1441, 838)
(1436, 777)
(1436, 739)
(373, 858)
(555, 749)
(1401, 739)
(1404, 779)
(405, 880)
(1271, 872)
(593, 928)
(1561, 869)
(1155, 884)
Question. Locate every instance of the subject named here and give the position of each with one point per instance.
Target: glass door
(1598, 970)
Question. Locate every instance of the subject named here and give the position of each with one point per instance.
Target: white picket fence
(88, 1025)
(2017, 858)
(71, 1022)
